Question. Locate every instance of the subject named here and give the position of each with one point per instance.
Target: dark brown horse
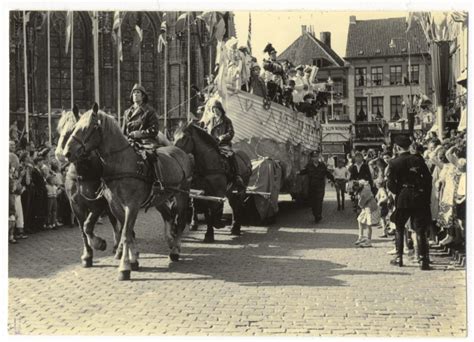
(81, 184)
(128, 181)
(210, 175)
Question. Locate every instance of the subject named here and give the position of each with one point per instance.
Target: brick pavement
(290, 278)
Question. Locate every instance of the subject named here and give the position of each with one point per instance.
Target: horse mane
(66, 122)
(206, 137)
(108, 121)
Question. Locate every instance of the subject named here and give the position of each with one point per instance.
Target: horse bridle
(83, 143)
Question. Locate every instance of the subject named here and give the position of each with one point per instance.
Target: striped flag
(117, 33)
(138, 35)
(69, 23)
(249, 37)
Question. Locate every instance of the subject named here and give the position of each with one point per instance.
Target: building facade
(389, 71)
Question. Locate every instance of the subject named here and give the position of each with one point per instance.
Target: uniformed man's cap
(403, 141)
(300, 67)
(142, 89)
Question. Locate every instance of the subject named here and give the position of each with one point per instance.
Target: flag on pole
(27, 17)
(162, 37)
(117, 34)
(69, 23)
(249, 37)
(138, 35)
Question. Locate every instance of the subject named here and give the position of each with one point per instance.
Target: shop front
(336, 139)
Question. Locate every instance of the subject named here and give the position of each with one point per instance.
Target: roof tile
(369, 36)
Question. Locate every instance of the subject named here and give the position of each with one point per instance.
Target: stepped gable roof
(371, 38)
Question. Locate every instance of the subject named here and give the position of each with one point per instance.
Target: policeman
(317, 173)
(409, 179)
(140, 125)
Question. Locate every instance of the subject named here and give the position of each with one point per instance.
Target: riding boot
(423, 251)
(157, 186)
(237, 179)
(398, 261)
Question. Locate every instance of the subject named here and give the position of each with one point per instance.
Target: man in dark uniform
(140, 125)
(317, 173)
(221, 128)
(409, 179)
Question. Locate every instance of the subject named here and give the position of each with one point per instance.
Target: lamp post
(330, 82)
(410, 113)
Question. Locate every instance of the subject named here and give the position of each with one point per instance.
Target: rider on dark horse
(221, 128)
(140, 125)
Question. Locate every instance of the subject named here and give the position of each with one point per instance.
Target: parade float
(264, 129)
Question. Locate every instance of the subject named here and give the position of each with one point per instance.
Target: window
(396, 74)
(377, 76)
(361, 75)
(377, 108)
(415, 74)
(395, 107)
(361, 108)
(338, 87)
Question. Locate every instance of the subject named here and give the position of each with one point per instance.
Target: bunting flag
(117, 34)
(181, 22)
(460, 17)
(249, 37)
(138, 35)
(69, 23)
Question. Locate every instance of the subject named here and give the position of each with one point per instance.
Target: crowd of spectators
(37, 200)
(362, 174)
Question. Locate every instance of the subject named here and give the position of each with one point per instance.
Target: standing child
(382, 201)
(52, 193)
(341, 176)
(369, 215)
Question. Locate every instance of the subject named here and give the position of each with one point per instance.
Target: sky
(284, 27)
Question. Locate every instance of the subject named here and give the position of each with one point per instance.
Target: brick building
(152, 65)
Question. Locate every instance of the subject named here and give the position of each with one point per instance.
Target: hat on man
(403, 141)
(300, 67)
(142, 89)
(269, 49)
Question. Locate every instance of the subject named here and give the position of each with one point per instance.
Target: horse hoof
(118, 255)
(86, 263)
(174, 257)
(193, 228)
(135, 266)
(102, 246)
(235, 231)
(208, 239)
(124, 275)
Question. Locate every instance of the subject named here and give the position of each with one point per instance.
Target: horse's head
(86, 137)
(183, 138)
(65, 128)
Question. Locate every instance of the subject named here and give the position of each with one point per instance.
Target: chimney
(325, 37)
(303, 29)
(352, 19)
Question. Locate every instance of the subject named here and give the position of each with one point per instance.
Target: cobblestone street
(289, 278)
